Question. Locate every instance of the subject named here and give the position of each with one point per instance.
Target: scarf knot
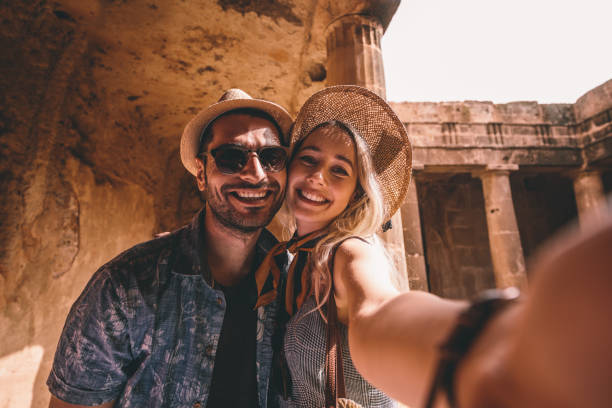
(298, 282)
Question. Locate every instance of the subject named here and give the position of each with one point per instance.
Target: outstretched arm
(393, 337)
(551, 350)
(554, 349)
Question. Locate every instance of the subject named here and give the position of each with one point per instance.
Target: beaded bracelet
(470, 324)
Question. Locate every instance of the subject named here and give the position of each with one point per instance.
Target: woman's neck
(305, 229)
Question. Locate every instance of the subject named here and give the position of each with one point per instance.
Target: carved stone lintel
(502, 167)
(495, 168)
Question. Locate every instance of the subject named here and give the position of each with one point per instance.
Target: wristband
(470, 324)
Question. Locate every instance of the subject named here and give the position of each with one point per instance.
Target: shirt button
(197, 405)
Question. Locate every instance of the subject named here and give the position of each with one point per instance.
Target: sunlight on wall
(17, 374)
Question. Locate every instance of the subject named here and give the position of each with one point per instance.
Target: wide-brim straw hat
(370, 116)
(230, 100)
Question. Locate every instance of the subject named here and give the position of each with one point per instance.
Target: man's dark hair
(207, 135)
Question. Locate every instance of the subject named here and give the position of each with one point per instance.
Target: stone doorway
(455, 236)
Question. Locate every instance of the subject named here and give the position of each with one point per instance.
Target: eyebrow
(275, 135)
(338, 156)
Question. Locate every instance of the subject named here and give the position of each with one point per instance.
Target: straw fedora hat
(376, 123)
(230, 100)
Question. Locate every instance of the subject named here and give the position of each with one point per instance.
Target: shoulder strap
(334, 373)
(334, 380)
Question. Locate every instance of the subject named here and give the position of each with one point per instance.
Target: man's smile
(259, 195)
(251, 196)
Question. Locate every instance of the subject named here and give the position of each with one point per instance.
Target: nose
(252, 171)
(316, 177)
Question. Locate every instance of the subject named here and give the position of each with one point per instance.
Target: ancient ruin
(95, 95)
(494, 181)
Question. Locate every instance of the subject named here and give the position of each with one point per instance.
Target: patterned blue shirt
(145, 330)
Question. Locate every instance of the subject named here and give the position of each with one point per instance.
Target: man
(172, 322)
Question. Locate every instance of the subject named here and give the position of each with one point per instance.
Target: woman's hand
(553, 350)
(550, 350)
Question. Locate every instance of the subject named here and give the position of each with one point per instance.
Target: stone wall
(557, 159)
(62, 214)
(455, 235)
(544, 204)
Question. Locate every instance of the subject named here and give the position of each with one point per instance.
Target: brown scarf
(300, 247)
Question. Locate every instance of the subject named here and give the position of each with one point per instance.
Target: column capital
(381, 10)
(581, 173)
(495, 169)
(417, 166)
(502, 167)
(355, 19)
(354, 55)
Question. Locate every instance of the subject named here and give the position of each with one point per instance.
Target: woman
(349, 172)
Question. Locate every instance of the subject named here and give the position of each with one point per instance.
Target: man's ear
(201, 173)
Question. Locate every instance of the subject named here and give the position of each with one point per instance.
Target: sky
(550, 51)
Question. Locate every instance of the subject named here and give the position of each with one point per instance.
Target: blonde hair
(363, 216)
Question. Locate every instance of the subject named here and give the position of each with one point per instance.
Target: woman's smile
(311, 197)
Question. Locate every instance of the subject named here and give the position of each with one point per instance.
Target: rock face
(95, 96)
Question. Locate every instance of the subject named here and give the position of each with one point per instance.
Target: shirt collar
(197, 248)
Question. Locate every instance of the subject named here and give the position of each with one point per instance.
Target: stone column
(504, 239)
(354, 57)
(590, 197)
(413, 240)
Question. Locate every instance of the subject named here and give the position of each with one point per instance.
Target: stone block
(594, 101)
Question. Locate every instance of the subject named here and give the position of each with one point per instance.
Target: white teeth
(250, 194)
(313, 196)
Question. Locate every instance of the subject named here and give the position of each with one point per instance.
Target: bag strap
(334, 382)
(334, 373)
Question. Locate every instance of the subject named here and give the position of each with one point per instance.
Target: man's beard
(225, 213)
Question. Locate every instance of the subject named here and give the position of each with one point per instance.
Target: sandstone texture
(95, 95)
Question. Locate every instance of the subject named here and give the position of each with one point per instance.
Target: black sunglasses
(231, 159)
